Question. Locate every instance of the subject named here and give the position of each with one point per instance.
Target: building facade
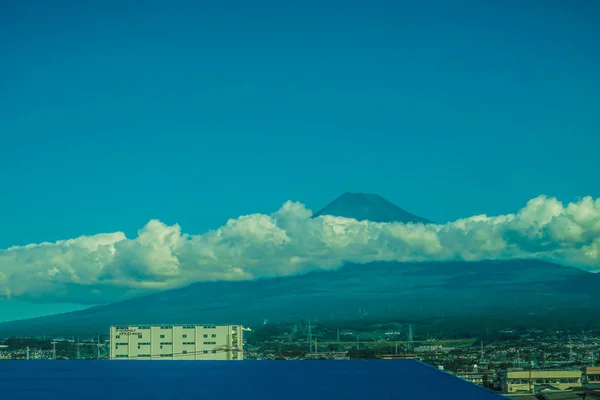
(592, 375)
(176, 342)
(484, 379)
(535, 380)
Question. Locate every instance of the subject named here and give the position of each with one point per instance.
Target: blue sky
(113, 113)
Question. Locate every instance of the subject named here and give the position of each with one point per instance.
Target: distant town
(519, 362)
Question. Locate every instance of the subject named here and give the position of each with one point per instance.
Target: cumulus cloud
(108, 267)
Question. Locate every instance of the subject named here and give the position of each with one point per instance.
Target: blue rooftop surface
(292, 380)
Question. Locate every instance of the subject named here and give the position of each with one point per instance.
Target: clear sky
(116, 112)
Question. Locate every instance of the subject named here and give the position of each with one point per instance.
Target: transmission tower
(310, 344)
(482, 353)
(103, 351)
(571, 352)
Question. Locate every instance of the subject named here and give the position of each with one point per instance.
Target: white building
(176, 342)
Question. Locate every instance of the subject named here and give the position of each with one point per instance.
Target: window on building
(205, 335)
(166, 327)
(205, 351)
(184, 336)
(166, 355)
(166, 343)
(210, 342)
(162, 336)
(122, 356)
(184, 352)
(122, 344)
(189, 327)
(189, 343)
(139, 336)
(214, 335)
(214, 352)
(118, 337)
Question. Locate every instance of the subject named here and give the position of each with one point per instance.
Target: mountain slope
(386, 290)
(392, 290)
(363, 206)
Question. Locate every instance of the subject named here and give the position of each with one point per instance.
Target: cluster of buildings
(568, 384)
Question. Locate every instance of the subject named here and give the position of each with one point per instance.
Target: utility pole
(482, 353)
(310, 344)
(570, 350)
(78, 354)
(54, 350)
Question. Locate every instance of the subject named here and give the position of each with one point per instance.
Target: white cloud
(107, 267)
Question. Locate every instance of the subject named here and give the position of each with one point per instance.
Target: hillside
(506, 290)
(384, 290)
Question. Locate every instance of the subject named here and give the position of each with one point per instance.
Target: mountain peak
(367, 206)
